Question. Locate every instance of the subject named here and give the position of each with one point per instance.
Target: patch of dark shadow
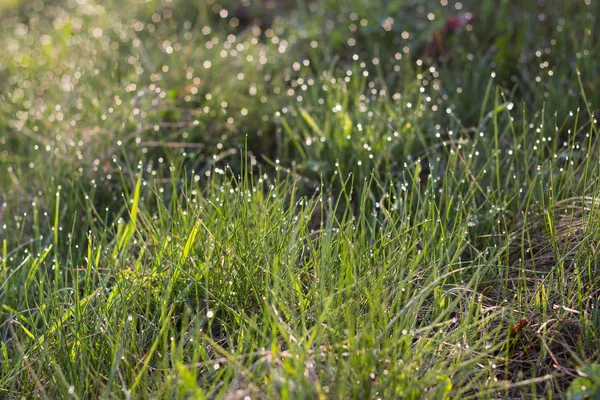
(554, 258)
(245, 13)
(548, 351)
(567, 236)
(231, 15)
(182, 130)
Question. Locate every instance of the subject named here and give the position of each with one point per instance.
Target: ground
(299, 199)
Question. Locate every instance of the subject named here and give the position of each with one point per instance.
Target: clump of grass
(225, 272)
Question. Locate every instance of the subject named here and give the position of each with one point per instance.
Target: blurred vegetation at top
(89, 86)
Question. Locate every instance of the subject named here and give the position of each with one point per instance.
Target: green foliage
(290, 199)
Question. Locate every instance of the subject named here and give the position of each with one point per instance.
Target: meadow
(299, 199)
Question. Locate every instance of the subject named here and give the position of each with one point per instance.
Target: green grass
(232, 199)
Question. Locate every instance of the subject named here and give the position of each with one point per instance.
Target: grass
(233, 199)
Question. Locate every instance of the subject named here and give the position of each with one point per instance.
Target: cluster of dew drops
(60, 66)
